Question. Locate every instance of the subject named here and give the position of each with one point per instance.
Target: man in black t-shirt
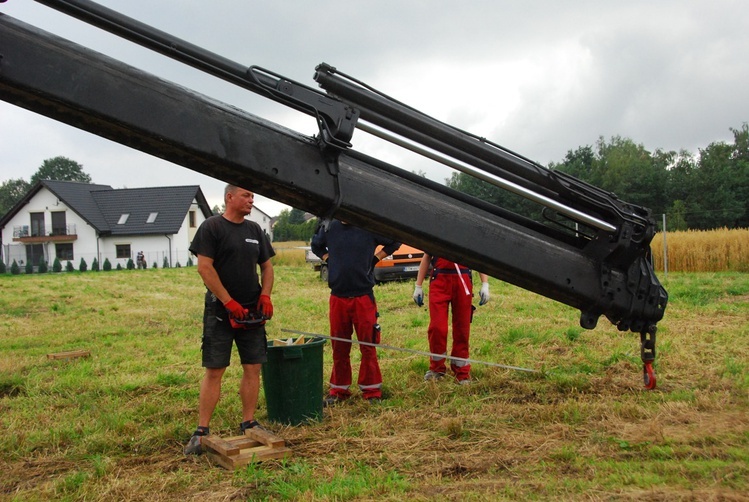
(230, 249)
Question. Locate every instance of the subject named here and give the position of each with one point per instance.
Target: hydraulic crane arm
(602, 267)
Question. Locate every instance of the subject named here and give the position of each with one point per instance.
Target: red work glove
(235, 309)
(265, 306)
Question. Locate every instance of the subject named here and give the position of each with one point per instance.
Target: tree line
(703, 191)
(57, 168)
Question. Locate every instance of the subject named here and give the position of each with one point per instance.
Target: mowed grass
(112, 426)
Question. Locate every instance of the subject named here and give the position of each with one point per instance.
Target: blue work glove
(484, 293)
(419, 296)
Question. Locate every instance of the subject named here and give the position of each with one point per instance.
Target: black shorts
(219, 336)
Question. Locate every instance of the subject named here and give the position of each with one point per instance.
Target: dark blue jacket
(350, 252)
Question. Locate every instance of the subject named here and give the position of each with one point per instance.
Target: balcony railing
(22, 231)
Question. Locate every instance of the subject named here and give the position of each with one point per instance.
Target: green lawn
(112, 426)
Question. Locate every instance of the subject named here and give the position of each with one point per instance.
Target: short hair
(229, 189)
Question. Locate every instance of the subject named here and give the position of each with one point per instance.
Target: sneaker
(250, 424)
(433, 375)
(194, 447)
(330, 400)
(465, 381)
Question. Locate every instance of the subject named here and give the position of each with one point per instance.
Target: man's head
(238, 200)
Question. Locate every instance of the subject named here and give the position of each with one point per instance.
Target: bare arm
(266, 277)
(423, 269)
(210, 278)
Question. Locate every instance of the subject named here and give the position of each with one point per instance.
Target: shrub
(166, 263)
(29, 267)
(95, 265)
(130, 264)
(155, 265)
(2, 267)
(119, 266)
(69, 267)
(107, 265)
(14, 268)
(56, 265)
(83, 266)
(189, 261)
(43, 267)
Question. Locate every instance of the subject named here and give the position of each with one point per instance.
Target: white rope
(411, 351)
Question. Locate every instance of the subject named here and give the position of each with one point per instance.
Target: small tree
(107, 265)
(29, 267)
(155, 265)
(95, 265)
(69, 267)
(83, 266)
(2, 267)
(189, 261)
(130, 264)
(43, 267)
(166, 263)
(119, 266)
(177, 265)
(14, 268)
(56, 265)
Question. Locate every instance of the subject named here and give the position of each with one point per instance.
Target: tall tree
(61, 169)
(11, 191)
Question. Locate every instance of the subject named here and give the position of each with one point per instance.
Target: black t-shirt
(236, 249)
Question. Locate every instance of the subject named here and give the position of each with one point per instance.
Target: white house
(73, 221)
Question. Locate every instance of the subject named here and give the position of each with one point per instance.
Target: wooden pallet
(255, 446)
(71, 354)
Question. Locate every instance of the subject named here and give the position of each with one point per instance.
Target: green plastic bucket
(292, 382)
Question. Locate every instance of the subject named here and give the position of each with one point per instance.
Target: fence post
(665, 248)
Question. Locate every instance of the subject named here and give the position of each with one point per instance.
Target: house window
(152, 217)
(193, 218)
(123, 250)
(37, 224)
(64, 251)
(123, 219)
(35, 254)
(59, 223)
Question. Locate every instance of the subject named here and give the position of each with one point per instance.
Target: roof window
(123, 218)
(152, 217)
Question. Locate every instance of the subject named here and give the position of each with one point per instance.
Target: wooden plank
(229, 446)
(265, 437)
(259, 454)
(299, 341)
(69, 354)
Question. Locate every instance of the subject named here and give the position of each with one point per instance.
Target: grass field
(112, 426)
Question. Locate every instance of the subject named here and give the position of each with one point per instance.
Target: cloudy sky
(539, 77)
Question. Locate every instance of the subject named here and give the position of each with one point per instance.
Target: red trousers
(447, 290)
(346, 315)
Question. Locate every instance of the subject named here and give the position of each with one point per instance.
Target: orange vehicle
(403, 264)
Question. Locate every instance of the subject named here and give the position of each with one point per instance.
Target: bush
(14, 268)
(189, 261)
(107, 265)
(119, 266)
(83, 266)
(2, 267)
(43, 267)
(178, 265)
(69, 267)
(155, 265)
(130, 264)
(29, 267)
(56, 265)
(166, 263)
(95, 265)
